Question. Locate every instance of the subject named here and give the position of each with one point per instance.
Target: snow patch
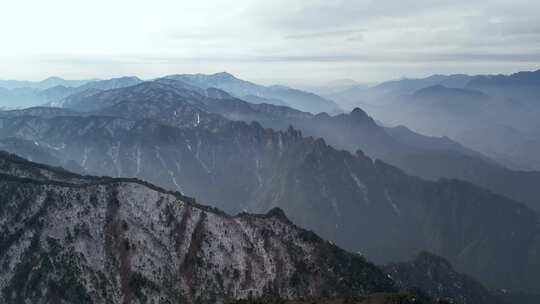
(394, 206)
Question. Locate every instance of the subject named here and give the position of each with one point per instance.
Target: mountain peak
(224, 76)
(360, 115)
(358, 111)
(279, 214)
(54, 78)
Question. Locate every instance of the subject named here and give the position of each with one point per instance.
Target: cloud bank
(278, 40)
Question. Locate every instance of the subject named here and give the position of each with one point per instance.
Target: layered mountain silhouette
(52, 91)
(354, 96)
(428, 157)
(522, 85)
(494, 114)
(184, 139)
(278, 95)
(43, 84)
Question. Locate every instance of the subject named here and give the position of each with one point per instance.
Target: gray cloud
(329, 34)
(322, 14)
(401, 58)
(364, 39)
(381, 57)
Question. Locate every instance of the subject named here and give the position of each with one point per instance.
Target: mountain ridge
(298, 99)
(81, 260)
(352, 194)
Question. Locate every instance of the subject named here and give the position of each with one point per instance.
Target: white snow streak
(85, 158)
(139, 154)
(394, 206)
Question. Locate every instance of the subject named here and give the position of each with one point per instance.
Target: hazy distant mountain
(452, 94)
(80, 239)
(108, 84)
(92, 88)
(408, 137)
(427, 157)
(43, 84)
(335, 86)
(407, 86)
(474, 110)
(424, 156)
(386, 91)
(353, 131)
(523, 85)
(258, 100)
(297, 99)
(53, 91)
(361, 204)
(27, 97)
(437, 109)
(57, 92)
(18, 97)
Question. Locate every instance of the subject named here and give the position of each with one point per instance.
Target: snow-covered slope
(104, 240)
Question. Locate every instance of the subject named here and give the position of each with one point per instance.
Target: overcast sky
(269, 41)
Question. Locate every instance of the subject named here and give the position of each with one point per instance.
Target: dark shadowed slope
(437, 278)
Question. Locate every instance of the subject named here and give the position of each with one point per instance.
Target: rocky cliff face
(68, 238)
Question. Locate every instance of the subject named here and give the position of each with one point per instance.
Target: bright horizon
(279, 42)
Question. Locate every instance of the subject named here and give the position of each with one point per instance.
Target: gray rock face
(81, 239)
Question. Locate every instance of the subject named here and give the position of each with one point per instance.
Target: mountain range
(297, 99)
(419, 155)
(85, 239)
(43, 84)
(53, 91)
(493, 114)
(80, 239)
(180, 137)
